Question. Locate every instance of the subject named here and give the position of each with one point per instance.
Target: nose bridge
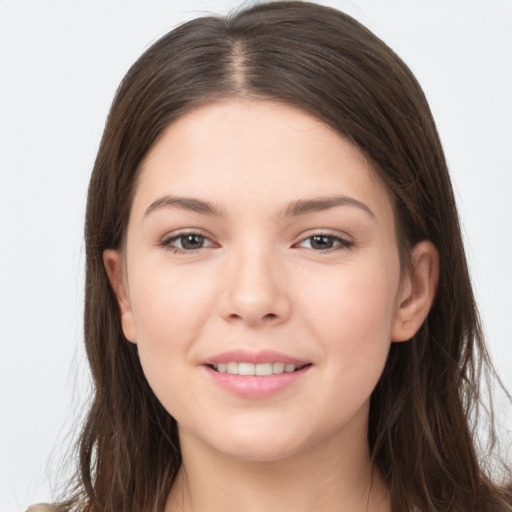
(256, 289)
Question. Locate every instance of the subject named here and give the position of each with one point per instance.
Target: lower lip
(250, 386)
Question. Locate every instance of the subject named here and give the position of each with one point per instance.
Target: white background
(60, 63)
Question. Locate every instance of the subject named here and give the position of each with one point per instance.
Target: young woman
(278, 309)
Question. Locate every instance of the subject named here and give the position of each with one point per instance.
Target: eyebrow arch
(185, 203)
(304, 206)
(295, 208)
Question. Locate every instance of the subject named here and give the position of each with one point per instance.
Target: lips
(256, 358)
(255, 374)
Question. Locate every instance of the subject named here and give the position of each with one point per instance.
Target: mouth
(257, 369)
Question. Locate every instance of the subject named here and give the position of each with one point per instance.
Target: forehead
(255, 154)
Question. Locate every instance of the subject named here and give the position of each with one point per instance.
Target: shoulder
(42, 507)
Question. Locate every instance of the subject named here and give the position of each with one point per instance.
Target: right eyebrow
(186, 203)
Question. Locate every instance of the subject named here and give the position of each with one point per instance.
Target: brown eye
(324, 242)
(187, 242)
(193, 241)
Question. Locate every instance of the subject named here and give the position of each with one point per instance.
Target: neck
(325, 478)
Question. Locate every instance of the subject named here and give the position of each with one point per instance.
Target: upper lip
(255, 357)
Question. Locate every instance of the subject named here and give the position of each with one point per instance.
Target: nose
(254, 289)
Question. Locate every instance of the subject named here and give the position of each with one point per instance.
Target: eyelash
(338, 242)
(167, 242)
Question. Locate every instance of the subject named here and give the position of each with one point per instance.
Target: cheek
(170, 310)
(353, 317)
(355, 300)
(167, 300)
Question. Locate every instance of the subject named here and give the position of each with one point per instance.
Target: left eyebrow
(318, 204)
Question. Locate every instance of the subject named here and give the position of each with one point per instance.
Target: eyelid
(345, 240)
(166, 240)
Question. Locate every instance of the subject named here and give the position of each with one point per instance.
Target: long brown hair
(421, 429)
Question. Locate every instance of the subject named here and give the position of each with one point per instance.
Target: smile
(255, 375)
(260, 369)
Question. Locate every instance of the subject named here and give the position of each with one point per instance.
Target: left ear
(417, 291)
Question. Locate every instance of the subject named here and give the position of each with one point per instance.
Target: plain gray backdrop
(60, 63)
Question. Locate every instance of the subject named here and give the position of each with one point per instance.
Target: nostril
(270, 315)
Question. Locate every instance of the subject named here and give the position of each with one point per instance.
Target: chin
(249, 444)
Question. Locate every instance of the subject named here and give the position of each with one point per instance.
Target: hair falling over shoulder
(424, 410)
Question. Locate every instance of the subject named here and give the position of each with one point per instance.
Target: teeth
(278, 367)
(261, 369)
(246, 369)
(232, 368)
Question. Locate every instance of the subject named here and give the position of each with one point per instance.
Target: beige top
(41, 507)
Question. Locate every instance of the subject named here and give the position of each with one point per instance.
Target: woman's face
(259, 242)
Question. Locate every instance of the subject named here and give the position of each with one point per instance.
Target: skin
(259, 281)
